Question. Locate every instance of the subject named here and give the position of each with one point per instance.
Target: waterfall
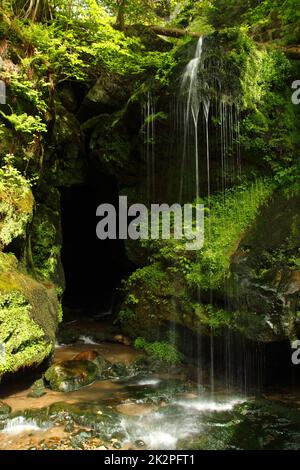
(192, 110)
(207, 106)
(204, 144)
(148, 130)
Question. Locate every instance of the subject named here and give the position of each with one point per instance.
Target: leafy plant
(161, 351)
(25, 123)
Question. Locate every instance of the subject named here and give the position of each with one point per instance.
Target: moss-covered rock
(29, 317)
(87, 415)
(264, 286)
(69, 376)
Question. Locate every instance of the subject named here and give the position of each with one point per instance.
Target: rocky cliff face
(264, 283)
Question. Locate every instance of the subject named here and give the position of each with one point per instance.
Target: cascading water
(148, 130)
(192, 109)
(204, 143)
(195, 90)
(205, 104)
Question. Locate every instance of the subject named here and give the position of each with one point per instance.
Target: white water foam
(148, 382)
(208, 405)
(158, 431)
(20, 425)
(161, 440)
(87, 339)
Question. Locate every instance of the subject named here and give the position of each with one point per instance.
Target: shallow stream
(151, 411)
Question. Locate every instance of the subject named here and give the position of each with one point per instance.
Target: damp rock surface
(69, 376)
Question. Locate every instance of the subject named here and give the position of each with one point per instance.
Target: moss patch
(23, 341)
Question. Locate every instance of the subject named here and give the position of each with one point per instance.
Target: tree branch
(174, 32)
(292, 52)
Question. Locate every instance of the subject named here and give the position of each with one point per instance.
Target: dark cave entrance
(93, 268)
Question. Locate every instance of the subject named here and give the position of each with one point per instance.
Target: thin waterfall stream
(192, 108)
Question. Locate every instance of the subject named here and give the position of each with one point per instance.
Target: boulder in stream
(69, 376)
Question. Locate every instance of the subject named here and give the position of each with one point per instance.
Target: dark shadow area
(93, 268)
(240, 363)
(15, 382)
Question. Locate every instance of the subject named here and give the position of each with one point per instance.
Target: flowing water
(148, 132)
(150, 411)
(192, 105)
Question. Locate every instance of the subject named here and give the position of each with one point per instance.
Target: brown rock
(121, 339)
(86, 356)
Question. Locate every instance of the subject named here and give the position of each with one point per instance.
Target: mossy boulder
(29, 312)
(107, 370)
(69, 376)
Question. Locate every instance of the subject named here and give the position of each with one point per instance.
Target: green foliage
(279, 17)
(128, 12)
(289, 177)
(55, 42)
(227, 217)
(227, 221)
(16, 202)
(25, 124)
(270, 122)
(125, 315)
(27, 90)
(227, 13)
(46, 250)
(161, 351)
(213, 317)
(270, 13)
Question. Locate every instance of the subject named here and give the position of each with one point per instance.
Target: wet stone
(140, 444)
(5, 410)
(117, 445)
(38, 389)
(69, 427)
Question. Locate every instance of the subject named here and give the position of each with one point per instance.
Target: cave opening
(93, 268)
